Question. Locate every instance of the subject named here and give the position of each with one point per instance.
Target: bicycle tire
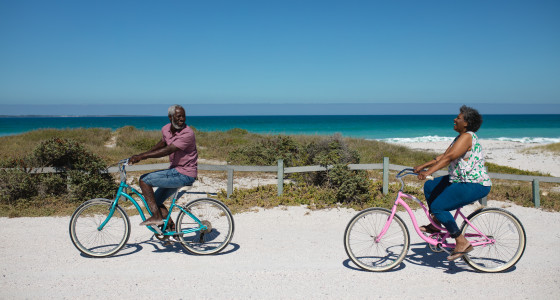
(360, 245)
(505, 229)
(213, 214)
(84, 226)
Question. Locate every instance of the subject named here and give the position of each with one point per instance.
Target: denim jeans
(444, 196)
(167, 183)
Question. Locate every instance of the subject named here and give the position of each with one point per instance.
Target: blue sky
(105, 53)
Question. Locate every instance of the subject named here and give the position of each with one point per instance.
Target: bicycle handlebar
(406, 172)
(411, 172)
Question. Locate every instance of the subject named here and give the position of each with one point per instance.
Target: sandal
(430, 229)
(455, 255)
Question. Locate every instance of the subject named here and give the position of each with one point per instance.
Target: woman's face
(459, 124)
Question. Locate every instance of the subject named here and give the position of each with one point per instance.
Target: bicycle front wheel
(361, 245)
(89, 238)
(506, 236)
(219, 226)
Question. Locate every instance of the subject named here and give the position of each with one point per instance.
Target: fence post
(385, 175)
(536, 193)
(280, 177)
(229, 181)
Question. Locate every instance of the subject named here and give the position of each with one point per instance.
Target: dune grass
(217, 145)
(551, 148)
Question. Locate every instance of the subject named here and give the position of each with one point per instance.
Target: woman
(467, 181)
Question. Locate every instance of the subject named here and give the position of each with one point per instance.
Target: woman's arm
(430, 163)
(459, 148)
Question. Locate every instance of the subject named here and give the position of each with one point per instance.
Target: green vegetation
(553, 148)
(81, 174)
(48, 194)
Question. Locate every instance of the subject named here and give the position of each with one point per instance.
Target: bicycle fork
(387, 224)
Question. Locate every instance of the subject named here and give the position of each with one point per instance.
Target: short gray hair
(472, 117)
(172, 108)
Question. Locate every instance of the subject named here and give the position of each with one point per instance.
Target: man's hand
(134, 159)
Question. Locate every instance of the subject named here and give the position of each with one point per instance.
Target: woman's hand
(422, 175)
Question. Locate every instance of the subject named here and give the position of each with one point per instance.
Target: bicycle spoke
(84, 226)
(361, 245)
(509, 240)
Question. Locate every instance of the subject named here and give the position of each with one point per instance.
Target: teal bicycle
(100, 227)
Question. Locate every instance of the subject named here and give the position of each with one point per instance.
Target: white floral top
(472, 169)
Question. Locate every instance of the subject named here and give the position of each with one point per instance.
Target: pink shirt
(185, 159)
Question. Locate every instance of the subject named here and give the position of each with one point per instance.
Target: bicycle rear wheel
(85, 233)
(218, 220)
(508, 235)
(360, 240)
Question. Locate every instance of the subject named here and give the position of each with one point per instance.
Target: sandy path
(278, 253)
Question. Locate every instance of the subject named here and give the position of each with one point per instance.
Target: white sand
(512, 154)
(281, 253)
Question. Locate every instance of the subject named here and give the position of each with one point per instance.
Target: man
(178, 141)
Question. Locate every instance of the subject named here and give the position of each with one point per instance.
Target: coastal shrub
(330, 151)
(267, 151)
(351, 186)
(51, 185)
(84, 171)
(16, 184)
(346, 185)
(81, 174)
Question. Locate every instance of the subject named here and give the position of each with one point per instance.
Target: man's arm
(161, 149)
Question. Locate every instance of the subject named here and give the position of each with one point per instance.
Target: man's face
(178, 119)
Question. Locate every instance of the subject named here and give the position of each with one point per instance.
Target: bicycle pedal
(157, 229)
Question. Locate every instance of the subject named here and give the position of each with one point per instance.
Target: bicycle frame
(440, 238)
(121, 192)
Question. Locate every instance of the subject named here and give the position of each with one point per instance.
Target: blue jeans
(444, 196)
(167, 183)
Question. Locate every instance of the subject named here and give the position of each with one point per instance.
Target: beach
(278, 253)
(506, 153)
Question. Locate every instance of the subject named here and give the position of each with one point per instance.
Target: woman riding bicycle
(467, 181)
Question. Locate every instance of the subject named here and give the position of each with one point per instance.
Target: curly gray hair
(472, 117)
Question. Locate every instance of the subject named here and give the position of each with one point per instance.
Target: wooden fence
(281, 171)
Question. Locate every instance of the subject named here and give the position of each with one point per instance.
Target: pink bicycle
(377, 239)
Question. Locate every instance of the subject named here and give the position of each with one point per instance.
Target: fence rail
(281, 170)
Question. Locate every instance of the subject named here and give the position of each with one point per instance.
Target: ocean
(395, 128)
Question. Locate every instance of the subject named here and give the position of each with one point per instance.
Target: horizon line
(276, 109)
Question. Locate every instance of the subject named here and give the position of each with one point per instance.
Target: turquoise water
(523, 128)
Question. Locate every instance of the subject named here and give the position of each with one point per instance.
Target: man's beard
(177, 127)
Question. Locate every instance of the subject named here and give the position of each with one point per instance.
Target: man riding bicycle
(178, 141)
